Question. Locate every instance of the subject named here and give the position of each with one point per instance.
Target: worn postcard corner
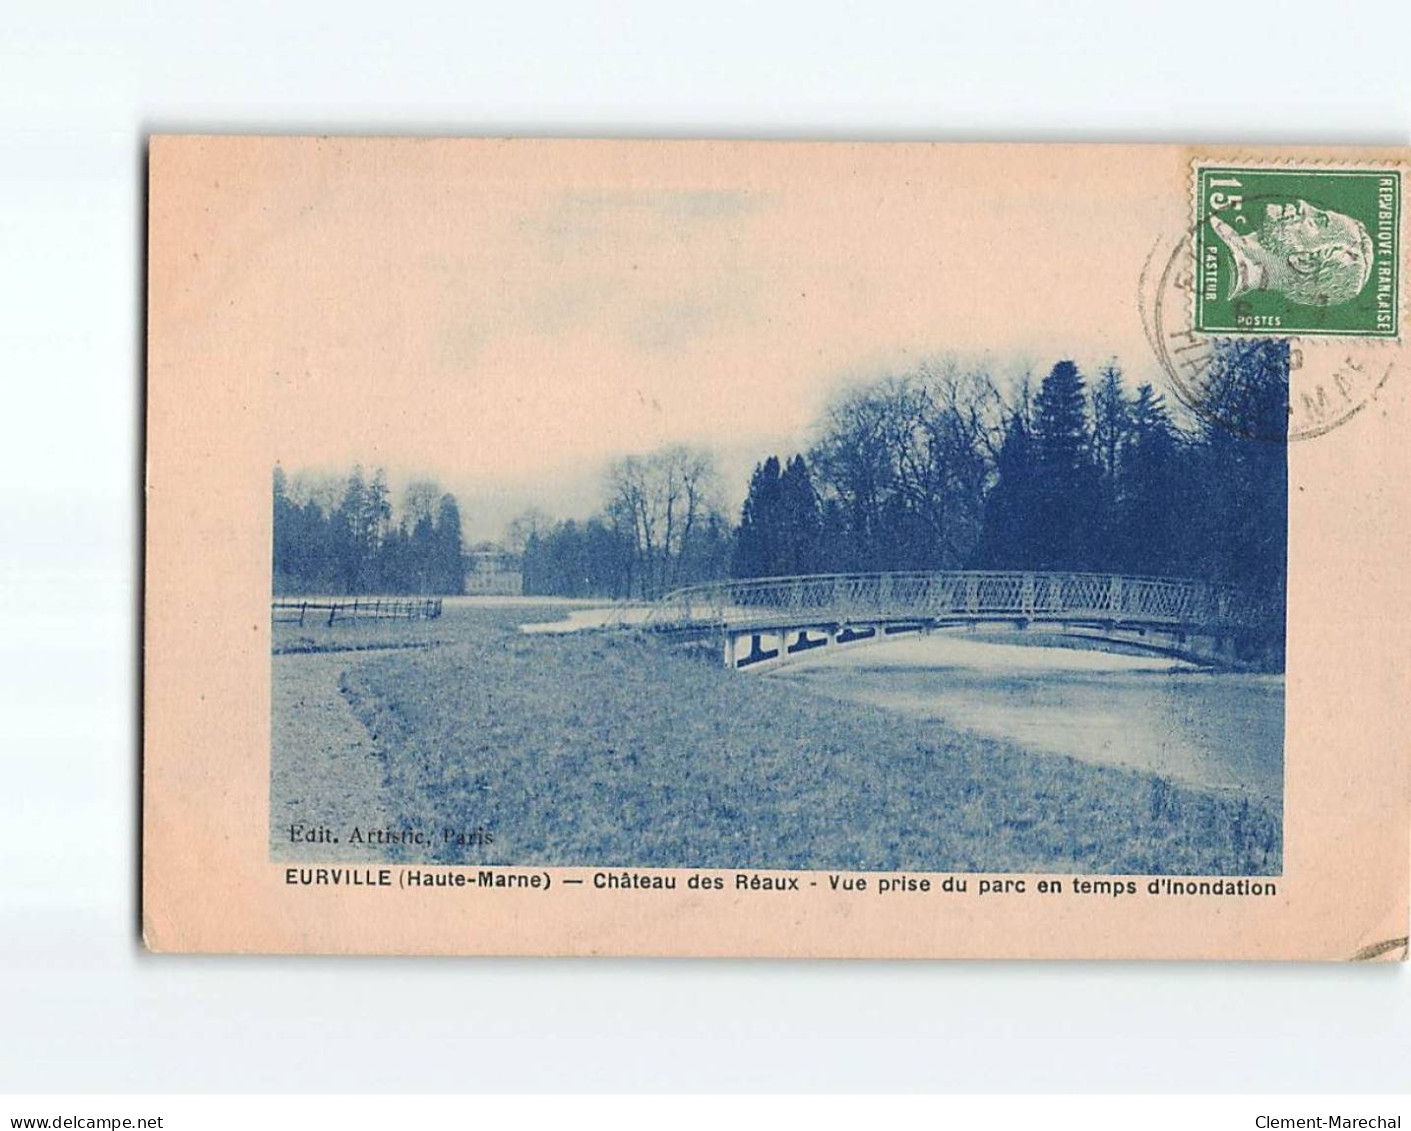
(666, 548)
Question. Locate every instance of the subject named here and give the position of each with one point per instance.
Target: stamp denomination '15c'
(1291, 251)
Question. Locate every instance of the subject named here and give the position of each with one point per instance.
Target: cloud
(656, 270)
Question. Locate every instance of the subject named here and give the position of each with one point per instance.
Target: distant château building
(491, 571)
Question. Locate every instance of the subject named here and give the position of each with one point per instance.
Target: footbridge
(770, 621)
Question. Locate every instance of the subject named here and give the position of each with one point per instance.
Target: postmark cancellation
(1309, 255)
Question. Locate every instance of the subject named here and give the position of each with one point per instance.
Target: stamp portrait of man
(1310, 255)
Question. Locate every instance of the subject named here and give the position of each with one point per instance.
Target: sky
(509, 317)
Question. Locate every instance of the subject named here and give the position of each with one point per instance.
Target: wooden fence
(301, 611)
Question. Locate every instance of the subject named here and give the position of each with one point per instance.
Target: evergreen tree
(285, 533)
(377, 518)
(421, 547)
(836, 548)
(757, 542)
(1242, 468)
(1010, 505)
(1112, 422)
(348, 541)
(313, 553)
(533, 574)
(1148, 535)
(781, 523)
(799, 545)
(448, 560)
(394, 562)
(1062, 523)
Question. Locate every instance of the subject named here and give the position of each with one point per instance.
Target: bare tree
(531, 523)
(661, 500)
(419, 501)
(906, 462)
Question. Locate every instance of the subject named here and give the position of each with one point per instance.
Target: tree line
(941, 467)
(662, 526)
(344, 537)
(938, 467)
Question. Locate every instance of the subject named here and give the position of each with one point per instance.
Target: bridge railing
(953, 595)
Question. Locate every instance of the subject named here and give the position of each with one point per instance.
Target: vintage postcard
(760, 549)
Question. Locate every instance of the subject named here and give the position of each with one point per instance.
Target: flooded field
(610, 748)
(1211, 729)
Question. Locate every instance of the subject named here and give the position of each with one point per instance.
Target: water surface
(1209, 728)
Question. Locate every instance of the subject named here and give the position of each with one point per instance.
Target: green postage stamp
(1298, 251)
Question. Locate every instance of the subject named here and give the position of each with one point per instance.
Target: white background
(81, 1007)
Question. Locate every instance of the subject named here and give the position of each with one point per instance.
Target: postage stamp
(1293, 251)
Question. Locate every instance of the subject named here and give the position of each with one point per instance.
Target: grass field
(610, 750)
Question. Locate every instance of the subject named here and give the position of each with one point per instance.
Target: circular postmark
(1277, 385)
